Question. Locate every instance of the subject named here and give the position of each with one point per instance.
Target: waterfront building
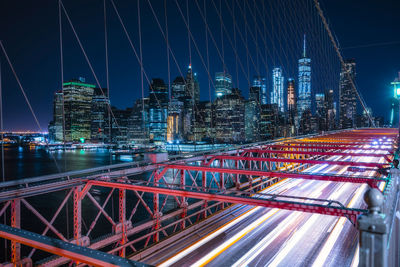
(347, 96)
(120, 126)
(158, 110)
(99, 127)
(223, 84)
(277, 89)
(77, 110)
(229, 117)
(261, 82)
(56, 125)
(139, 123)
(304, 87)
(175, 120)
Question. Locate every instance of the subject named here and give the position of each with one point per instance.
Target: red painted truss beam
(334, 143)
(329, 147)
(245, 200)
(303, 161)
(333, 178)
(331, 153)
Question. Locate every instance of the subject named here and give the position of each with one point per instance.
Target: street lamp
(396, 91)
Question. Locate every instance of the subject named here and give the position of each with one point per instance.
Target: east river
(25, 161)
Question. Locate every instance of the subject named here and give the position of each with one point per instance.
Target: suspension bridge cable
(107, 73)
(88, 62)
(3, 176)
(141, 66)
(27, 100)
(167, 46)
(347, 72)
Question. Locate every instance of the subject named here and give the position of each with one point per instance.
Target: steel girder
(333, 178)
(321, 153)
(62, 248)
(310, 146)
(335, 144)
(245, 200)
(302, 161)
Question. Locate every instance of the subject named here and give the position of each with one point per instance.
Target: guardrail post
(373, 229)
(16, 223)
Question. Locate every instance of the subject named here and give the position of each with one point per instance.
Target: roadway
(257, 236)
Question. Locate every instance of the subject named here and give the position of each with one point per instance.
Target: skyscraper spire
(304, 46)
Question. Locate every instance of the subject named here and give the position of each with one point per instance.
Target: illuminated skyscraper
(304, 96)
(320, 111)
(100, 130)
(223, 84)
(291, 97)
(261, 82)
(158, 105)
(277, 89)
(56, 125)
(77, 109)
(330, 107)
(347, 96)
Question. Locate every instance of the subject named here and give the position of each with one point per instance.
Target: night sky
(367, 31)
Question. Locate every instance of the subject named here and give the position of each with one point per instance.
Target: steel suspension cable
(347, 72)
(62, 81)
(88, 61)
(141, 66)
(167, 46)
(26, 100)
(107, 72)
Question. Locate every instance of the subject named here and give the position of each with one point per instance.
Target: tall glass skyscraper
(304, 96)
(158, 109)
(291, 98)
(347, 96)
(261, 82)
(277, 89)
(223, 84)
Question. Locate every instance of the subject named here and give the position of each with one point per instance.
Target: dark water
(24, 161)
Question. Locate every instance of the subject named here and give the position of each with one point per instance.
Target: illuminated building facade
(56, 125)
(223, 84)
(277, 89)
(330, 107)
(261, 82)
(347, 96)
(291, 95)
(229, 117)
(99, 116)
(175, 120)
(158, 111)
(304, 95)
(252, 114)
(320, 112)
(77, 109)
(139, 126)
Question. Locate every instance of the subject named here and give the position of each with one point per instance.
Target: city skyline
(46, 77)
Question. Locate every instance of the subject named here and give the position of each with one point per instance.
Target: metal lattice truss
(124, 209)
